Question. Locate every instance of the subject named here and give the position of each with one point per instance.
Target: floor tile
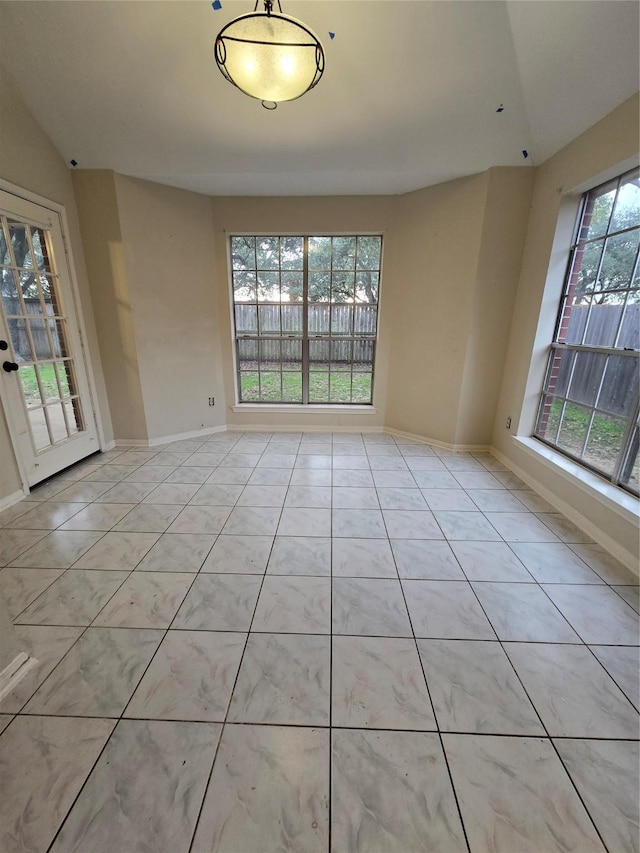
(369, 606)
(563, 528)
(305, 521)
(110, 473)
(276, 460)
(532, 501)
(466, 525)
(219, 603)
(172, 493)
(300, 555)
(474, 688)
(520, 527)
(253, 521)
(358, 524)
(283, 678)
(490, 561)
(352, 462)
(129, 492)
(117, 551)
(58, 550)
(571, 691)
(5, 719)
(149, 518)
(15, 511)
(597, 613)
(203, 458)
(605, 565)
(190, 678)
(377, 682)
(446, 610)
(350, 479)
(318, 462)
(200, 519)
(370, 558)
(631, 594)
(424, 559)
(243, 460)
(623, 665)
(177, 552)
(448, 499)
(263, 496)
(231, 476)
(438, 479)
(294, 605)
(19, 587)
(159, 770)
(239, 554)
(14, 543)
(74, 599)
(150, 473)
(354, 497)
(606, 776)
(261, 772)
(393, 479)
(46, 516)
(48, 645)
(212, 494)
(392, 794)
(496, 500)
(98, 517)
(522, 612)
(304, 476)
(514, 795)
(47, 760)
(146, 600)
(97, 675)
(553, 562)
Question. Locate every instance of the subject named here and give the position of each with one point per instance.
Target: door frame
(60, 211)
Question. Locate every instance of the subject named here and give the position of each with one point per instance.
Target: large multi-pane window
(589, 404)
(306, 315)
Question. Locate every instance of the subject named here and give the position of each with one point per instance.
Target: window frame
(305, 337)
(628, 444)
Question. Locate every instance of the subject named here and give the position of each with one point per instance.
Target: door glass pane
(74, 416)
(20, 245)
(39, 431)
(10, 299)
(57, 422)
(20, 340)
(40, 338)
(41, 253)
(29, 381)
(5, 258)
(48, 381)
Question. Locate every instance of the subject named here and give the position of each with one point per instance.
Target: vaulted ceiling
(409, 97)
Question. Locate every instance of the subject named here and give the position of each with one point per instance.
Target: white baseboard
(298, 428)
(168, 439)
(12, 499)
(598, 535)
(15, 672)
(108, 446)
(456, 448)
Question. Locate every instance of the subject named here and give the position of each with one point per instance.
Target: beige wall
(95, 192)
(318, 215)
(29, 160)
(594, 155)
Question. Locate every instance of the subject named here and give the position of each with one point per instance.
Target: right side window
(589, 407)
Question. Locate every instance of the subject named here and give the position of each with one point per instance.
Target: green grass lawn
(605, 438)
(27, 374)
(323, 388)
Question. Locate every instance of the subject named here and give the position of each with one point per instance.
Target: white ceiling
(408, 98)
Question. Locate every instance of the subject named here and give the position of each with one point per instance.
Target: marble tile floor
(307, 642)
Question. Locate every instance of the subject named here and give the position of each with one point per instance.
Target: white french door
(43, 377)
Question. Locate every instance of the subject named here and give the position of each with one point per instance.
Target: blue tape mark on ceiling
(216, 5)
(332, 36)
(500, 109)
(525, 153)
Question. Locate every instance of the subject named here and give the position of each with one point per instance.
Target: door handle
(8, 366)
(4, 345)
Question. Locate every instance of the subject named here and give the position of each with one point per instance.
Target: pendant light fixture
(268, 56)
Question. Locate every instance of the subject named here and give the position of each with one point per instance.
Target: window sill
(610, 496)
(301, 409)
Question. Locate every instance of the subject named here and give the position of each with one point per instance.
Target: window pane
(618, 261)
(627, 210)
(246, 319)
(573, 429)
(244, 286)
(318, 387)
(248, 355)
(597, 213)
(20, 245)
(319, 253)
(249, 387)
(587, 375)
(630, 328)
(319, 352)
(559, 372)
(243, 253)
(369, 253)
(292, 253)
(267, 252)
(292, 284)
(573, 321)
(269, 316)
(549, 418)
(319, 286)
(291, 319)
(361, 389)
(620, 385)
(342, 287)
(365, 319)
(340, 356)
(585, 266)
(367, 287)
(270, 386)
(630, 475)
(604, 319)
(291, 355)
(343, 255)
(268, 286)
(363, 355)
(604, 443)
(341, 319)
(269, 355)
(340, 387)
(319, 319)
(292, 387)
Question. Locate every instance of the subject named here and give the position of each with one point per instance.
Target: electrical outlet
(212, 401)
(508, 423)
